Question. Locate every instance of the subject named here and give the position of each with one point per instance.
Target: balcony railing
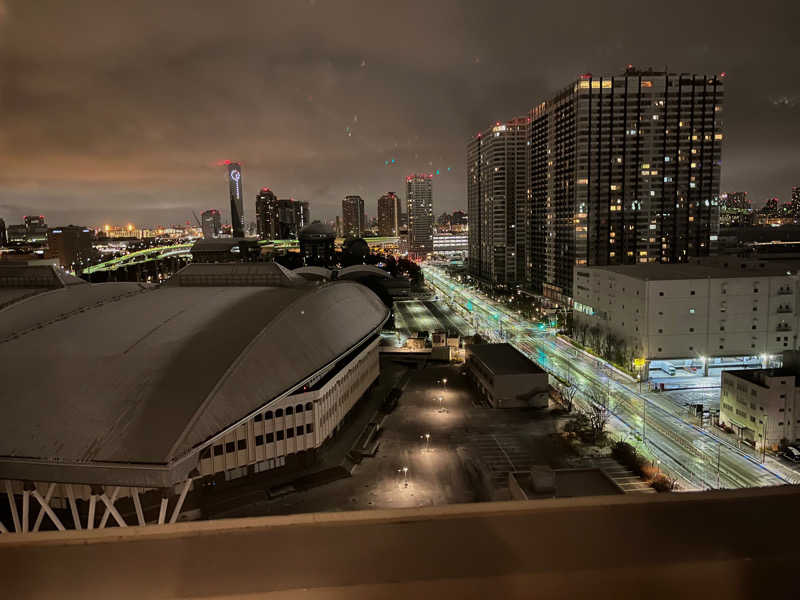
(784, 291)
(783, 327)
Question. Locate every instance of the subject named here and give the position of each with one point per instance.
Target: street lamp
(427, 437)
(441, 403)
(658, 463)
(405, 476)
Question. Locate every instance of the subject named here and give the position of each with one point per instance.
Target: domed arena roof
(125, 386)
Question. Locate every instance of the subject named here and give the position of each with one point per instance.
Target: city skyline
(139, 140)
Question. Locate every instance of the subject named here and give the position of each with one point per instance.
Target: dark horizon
(117, 115)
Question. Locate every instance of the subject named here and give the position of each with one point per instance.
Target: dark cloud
(121, 110)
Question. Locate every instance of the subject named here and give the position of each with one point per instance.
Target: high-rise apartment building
(419, 199)
(280, 219)
(3, 238)
(266, 214)
(389, 210)
(497, 202)
(211, 222)
(236, 190)
(354, 221)
(623, 169)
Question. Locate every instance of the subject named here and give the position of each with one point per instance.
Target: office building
(763, 404)
(211, 223)
(236, 191)
(3, 237)
(459, 219)
(354, 221)
(497, 201)
(389, 210)
(419, 200)
(72, 245)
(717, 306)
(450, 243)
(623, 169)
(317, 244)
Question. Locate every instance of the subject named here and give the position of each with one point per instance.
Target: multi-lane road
(651, 421)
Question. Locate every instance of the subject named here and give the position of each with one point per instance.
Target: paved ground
(463, 429)
(412, 316)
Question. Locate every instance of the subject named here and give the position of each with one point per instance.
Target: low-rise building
(717, 307)
(506, 377)
(762, 404)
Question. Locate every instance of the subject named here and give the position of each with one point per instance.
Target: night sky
(121, 111)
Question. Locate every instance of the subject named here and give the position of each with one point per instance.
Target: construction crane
(199, 224)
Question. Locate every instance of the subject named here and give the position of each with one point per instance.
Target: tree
(567, 393)
(599, 413)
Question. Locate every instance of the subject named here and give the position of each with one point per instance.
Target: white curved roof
(312, 272)
(355, 271)
(143, 380)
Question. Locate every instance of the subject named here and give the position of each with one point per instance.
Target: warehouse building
(714, 307)
(120, 388)
(763, 405)
(506, 377)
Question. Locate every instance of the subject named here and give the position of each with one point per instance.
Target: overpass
(183, 251)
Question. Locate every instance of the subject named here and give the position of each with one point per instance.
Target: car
(669, 370)
(791, 453)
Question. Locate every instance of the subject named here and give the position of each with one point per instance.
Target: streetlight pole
(405, 476)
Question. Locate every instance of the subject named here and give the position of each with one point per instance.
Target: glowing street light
(405, 476)
(427, 437)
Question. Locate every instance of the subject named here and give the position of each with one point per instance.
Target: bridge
(183, 251)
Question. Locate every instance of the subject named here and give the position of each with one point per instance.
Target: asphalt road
(651, 420)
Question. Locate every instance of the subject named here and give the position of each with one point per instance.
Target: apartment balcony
(783, 327)
(785, 291)
(784, 309)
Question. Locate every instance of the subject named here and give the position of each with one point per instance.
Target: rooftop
(717, 269)
(503, 359)
(757, 376)
(121, 373)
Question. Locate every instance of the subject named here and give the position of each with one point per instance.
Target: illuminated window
(647, 84)
(584, 85)
(607, 83)
(717, 136)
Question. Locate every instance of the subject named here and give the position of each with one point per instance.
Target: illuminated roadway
(184, 249)
(648, 421)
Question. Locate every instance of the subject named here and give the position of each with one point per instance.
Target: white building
(120, 388)
(762, 404)
(717, 307)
